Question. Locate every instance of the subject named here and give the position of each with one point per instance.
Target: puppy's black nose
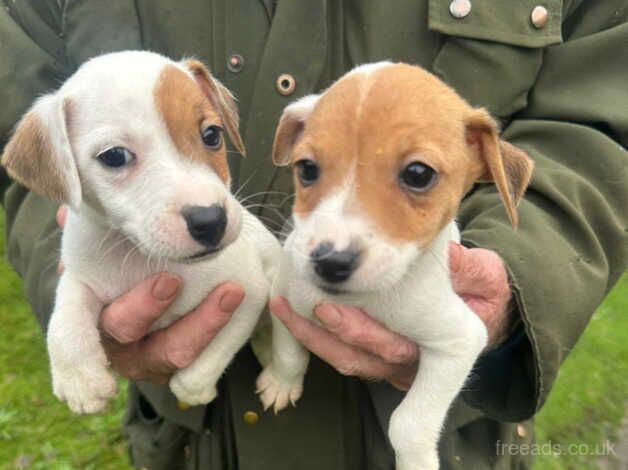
(334, 266)
(206, 224)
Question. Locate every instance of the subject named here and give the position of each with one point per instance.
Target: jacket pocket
(492, 55)
(154, 443)
(524, 23)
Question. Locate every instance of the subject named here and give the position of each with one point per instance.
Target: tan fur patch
(222, 100)
(31, 160)
(185, 111)
(367, 127)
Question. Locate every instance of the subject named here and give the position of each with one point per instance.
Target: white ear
(39, 155)
(290, 127)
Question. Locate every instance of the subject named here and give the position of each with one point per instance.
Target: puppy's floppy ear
(221, 98)
(39, 154)
(507, 166)
(290, 127)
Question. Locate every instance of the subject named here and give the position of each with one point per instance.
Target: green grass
(37, 432)
(591, 394)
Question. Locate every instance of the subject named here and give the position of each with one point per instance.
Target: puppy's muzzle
(206, 224)
(334, 266)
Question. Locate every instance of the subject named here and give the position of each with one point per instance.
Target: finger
(177, 346)
(126, 360)
(356, 328)
(130, 316)
(62, 213)
(477, 272)
(346, 359)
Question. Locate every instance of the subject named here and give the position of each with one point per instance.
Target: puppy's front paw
(427, 460)
(86, 390)
(278, 392)
(191, 389)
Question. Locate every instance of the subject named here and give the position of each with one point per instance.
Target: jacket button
(539, 17)
(521, 430)
(235, 63)
(286, 84)
(250, 417)
(460, 8)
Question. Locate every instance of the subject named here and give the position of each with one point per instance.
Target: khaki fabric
(559, 93)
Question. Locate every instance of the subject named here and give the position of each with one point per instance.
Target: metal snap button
(521, 430)
(286, 84)
(235, 63)
(182, 405)
(460, 8)
(539, 16)
(250, 417)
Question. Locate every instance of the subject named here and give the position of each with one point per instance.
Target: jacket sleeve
(33, 62)
(572, 242)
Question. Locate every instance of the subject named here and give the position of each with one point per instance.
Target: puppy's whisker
(114, 246)
(440, 262)
(260, 193)
(242, 186)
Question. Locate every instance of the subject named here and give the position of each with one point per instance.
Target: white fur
(127, 226)
(406, 287)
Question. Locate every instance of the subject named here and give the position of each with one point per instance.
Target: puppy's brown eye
(307, 172)
(418, 177)
(212, 137)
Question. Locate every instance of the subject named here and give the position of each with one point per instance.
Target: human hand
(357, 345)
(479, 277)
(153, 357)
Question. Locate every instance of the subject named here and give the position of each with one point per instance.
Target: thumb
(474, 271)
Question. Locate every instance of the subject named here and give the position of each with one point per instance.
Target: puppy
(134, 143)
(381, 162)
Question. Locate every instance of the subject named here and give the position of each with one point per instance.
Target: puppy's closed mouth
(331, 290)
(203, 254)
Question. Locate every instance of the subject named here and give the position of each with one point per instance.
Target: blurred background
(584, 424)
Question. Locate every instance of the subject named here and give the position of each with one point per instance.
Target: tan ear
(290, 127)
(39, 155)
(507, 166)
(221, 98)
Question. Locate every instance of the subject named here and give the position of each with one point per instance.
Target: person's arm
(572, 244)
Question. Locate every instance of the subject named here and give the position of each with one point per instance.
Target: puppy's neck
(86, 218)
(434, 261)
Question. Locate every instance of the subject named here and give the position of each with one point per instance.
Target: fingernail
(329, 315)
(166, 287)
(231, 300)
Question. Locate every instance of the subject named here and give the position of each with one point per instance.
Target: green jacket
(560, 93)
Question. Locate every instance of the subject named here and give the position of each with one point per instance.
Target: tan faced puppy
(134, 143)
(381, 162)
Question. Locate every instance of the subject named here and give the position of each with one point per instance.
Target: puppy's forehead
(386, 96)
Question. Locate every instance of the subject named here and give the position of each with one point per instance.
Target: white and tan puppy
(133, 143)
(381, 161)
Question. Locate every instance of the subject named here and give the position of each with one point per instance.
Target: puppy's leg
(196, 384)
(416, 423)
(79, 366)
(281, 382)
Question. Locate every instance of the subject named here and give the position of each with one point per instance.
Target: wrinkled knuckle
(349, 369)
(123, 335)
(119, 331)
(400, 352)
(131, 372)
(358, 335)
(178, 358)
